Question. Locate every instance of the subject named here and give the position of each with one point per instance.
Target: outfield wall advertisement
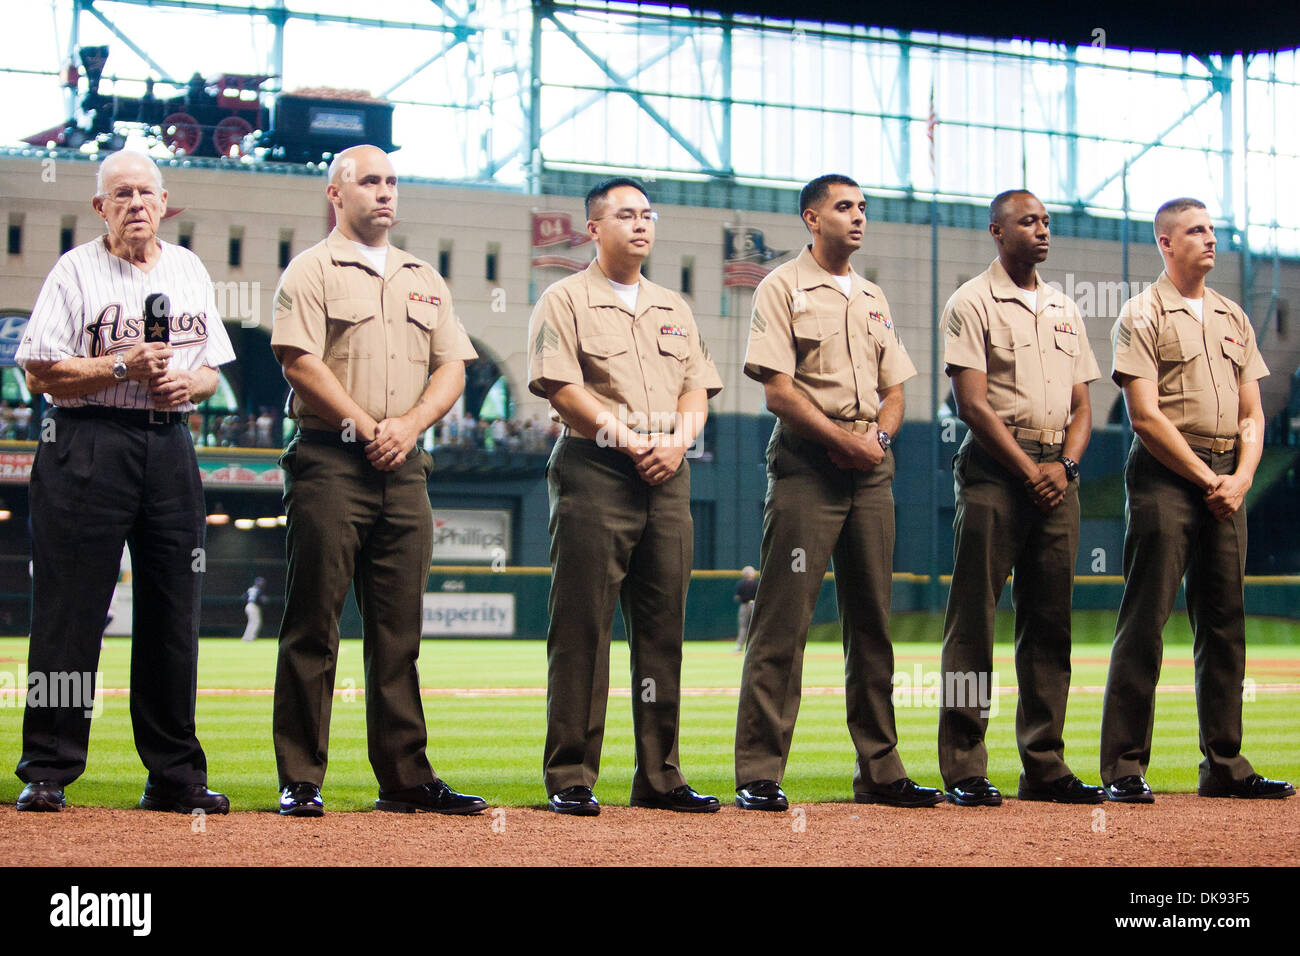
(470, 535)
(457, 614)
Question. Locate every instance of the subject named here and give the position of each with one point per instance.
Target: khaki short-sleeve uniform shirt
(637, 365)
(381, 336)
(1032, 359)
(1198, 366)
(840, 350)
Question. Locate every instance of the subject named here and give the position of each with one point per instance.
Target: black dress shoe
(302, 800)
(1067, 789)
(41, 796)
(184, 800)
(435, 797)
(1253, 787)
(902, 793)
(1130, 789)
(683, 800)
(575, 801)
(974, 792)
(762, 795)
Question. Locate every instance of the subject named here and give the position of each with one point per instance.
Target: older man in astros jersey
(119, 466)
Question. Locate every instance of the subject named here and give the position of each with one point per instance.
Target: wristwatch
(884, 438)
(119, 368)
(1071, 468)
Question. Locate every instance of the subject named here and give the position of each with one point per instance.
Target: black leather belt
(138, 417)
(319, 436)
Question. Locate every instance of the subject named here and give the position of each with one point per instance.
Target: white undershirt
(845, 283)
(1031, 299)
(627, 293)
(377, 256)
(1198, 308)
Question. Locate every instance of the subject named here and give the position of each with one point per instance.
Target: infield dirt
(1177, 830)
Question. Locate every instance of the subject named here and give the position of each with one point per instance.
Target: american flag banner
(746, 256)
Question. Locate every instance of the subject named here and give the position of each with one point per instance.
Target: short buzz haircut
(1170, 209)
(1000, 201)
(605, 187)
(817, 190)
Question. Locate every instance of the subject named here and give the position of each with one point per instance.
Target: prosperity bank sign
(468, 615)
(471, 536)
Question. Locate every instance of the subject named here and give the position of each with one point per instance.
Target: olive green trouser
(815, 510)
(350, 524)
(997, 528)
(1169, 530)
(615, 540)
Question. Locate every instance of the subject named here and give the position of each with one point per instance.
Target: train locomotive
(230, 116)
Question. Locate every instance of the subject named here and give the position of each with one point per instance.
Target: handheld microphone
(157, 317)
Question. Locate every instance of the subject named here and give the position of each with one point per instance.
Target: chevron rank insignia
(421, 297)
(1123, 335)
(283, 300)
(758, 325)
(882, 319)
(547, 338)
(954, 324)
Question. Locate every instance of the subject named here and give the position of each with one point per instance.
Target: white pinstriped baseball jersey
(92, 304)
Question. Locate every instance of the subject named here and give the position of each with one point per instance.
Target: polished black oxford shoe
(41, 796)
(195, 797)
(433, 797)
(903, 792)
(1130, 789)
(683, 800)
(762, 795)
(1253, 787)
(1067, 789)
(974, 792)
(575, 801)
(302, 800)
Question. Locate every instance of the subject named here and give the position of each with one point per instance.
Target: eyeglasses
(125, 196)
(629, 216)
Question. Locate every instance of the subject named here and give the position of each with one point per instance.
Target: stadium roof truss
(526, 86)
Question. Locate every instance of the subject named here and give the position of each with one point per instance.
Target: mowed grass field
(486, 711)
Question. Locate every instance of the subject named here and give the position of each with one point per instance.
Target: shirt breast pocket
(815, 344)
(1182, 363)
(601, 357)
(1005, 347)
(348, 324)
(421, 320)
(675, 346)
(1067, 343)
(675, 350)
(1236, 354)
